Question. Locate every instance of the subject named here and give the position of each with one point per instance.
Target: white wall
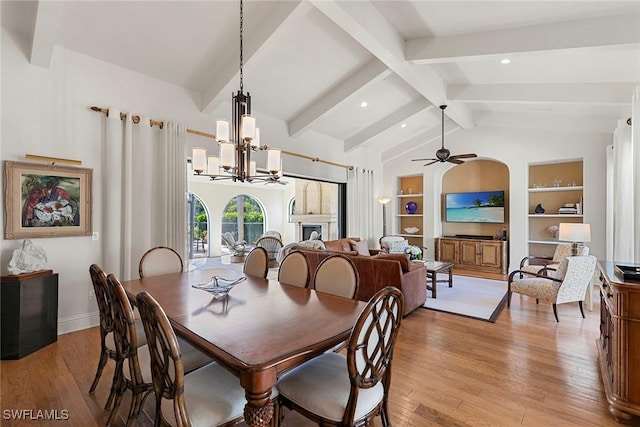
(516, 149)
(46, 112)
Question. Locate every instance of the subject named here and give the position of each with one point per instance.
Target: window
(197, 226)
(243, 216)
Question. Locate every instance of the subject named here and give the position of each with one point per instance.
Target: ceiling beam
(606, 94)
(370, 73)
(428, 137)
(392, 120)
(45, 34)
(606, 32)
(366, 25)
(212, 95)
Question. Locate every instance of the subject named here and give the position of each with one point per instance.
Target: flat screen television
(477, 206)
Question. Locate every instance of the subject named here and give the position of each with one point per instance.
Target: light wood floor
(448, 370)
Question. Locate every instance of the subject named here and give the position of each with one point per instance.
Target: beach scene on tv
(482, 206)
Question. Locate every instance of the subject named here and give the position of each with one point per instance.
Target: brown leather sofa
(380, 270)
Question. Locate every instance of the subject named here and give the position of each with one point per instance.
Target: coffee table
(435, 267)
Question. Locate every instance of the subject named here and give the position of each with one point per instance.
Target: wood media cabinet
(490, 256)
(619, 343)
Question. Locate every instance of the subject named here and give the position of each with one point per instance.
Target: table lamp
(574, 233)
(383, 201)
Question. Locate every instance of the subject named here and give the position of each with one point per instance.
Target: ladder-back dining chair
(333, 389)
(107, 343)
(160, 260)
(210, 395)
(294, 269)
(337, 275)
(257, 263)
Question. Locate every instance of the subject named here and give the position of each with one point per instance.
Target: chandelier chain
(241, 48)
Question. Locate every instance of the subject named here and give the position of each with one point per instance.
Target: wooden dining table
(262, 329)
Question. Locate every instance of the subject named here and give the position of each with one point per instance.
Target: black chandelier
(234, 159)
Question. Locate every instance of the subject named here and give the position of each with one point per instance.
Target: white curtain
(144, 187)
(360, 204)
(626, 224)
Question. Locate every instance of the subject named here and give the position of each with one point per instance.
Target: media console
(472, 236)
(474, 253)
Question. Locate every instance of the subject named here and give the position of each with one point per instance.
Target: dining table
(260, 330)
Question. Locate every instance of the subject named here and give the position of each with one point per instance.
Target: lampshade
(213, 165)
(273, 160)
(384, 200)
(227, 155)
(247, 127)
(252, 168)
(199, 160)
(255, 142)
(222, 130)
(572, 232)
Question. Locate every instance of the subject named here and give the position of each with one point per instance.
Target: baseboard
(78, 323)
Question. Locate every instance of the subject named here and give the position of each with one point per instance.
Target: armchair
(237, 248)
(569, 284)
(393, 244)
(548, 263)
(272, 245)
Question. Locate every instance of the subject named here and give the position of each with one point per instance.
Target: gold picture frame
(46, 200)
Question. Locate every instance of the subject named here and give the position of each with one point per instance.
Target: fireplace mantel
(328, 222)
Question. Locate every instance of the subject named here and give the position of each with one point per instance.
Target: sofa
(377, 270)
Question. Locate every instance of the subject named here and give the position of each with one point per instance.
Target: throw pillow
(403, 258)
(398, 247)
(361, 247)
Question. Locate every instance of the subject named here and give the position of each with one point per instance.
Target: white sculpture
(27, 258)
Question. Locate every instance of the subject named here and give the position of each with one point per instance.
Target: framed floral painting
(46, 200)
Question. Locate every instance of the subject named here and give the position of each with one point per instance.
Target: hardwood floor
(448, 370)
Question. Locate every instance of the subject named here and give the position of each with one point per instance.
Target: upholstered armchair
(544, 264)
(273, 245)
(568, 284)
(237, 248)
(393, 244)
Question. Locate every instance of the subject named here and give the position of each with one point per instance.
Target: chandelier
(234, 159)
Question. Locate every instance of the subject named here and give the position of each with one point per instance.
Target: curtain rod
(160, 124)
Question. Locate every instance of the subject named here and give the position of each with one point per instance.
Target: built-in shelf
(409, 215)
(545, 242)
(545, 189)
(409, 195)
(555, 216)
(410, 235)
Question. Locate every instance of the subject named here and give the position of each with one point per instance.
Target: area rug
(473, 297)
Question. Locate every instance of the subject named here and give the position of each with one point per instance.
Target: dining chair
(133, 370)
(334, 389)
(256, 263)
(568, 284)
(294, 269)
(107, 343)
(210, 396)
(273, 245)
(160, 260)
(337, 275)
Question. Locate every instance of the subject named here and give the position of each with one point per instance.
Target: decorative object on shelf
(27, 258)
(553, 230)
(443, 154)
(234, 160)
(574, 233)
(412, 230)
(557, 182)
(414, 252)
(411, 207)
(539, 209)
(383, 201)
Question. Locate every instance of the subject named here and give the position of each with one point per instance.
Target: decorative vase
(539, 209)
(411, 207)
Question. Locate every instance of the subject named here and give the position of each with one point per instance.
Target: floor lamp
(383, 201)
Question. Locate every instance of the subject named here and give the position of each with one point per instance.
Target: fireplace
(307, 229)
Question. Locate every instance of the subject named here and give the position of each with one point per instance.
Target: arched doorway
(197, 227)
(243, 216)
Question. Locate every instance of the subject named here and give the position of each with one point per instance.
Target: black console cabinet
(29, 312)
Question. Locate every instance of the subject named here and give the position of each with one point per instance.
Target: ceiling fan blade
(422, 160)
(430, 163)
(465, 156)
(456, 161)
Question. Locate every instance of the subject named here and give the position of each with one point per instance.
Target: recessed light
(505, 61)
(363, 104)
(404, 125)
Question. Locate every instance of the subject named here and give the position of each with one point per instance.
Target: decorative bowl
(411, 207)
(219, 287)
(412, 230)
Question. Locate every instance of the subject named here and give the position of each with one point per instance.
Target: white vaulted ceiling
(312, 63)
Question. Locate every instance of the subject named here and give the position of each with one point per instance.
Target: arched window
(291, 209)
(243, 216)
(197, 226)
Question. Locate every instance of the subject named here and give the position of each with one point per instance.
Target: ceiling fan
(443, 154)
